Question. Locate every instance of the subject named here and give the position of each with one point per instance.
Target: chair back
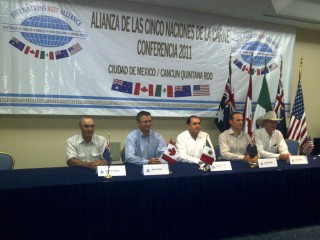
(217, 151)
(6, 161)
(293, 146)
(123, 154)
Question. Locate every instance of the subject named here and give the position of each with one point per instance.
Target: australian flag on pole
(227, 105)
(279, 108)
(107, 154)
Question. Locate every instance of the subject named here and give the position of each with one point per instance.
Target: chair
(217, 151)
(6, 161)
(123, 154)
(293, 146)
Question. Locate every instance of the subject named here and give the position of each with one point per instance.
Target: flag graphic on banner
(170, 154)
(144, 90)
(74, 49)
(164, 91)
(61, 54)
(34, 52)
(247, 114)
(264, 102)
(182, 91)
(280, 107)
(227, 105)
(121, 86)
(107, 153)
(298, 123)
(17, 43)
(208, 155)
(201, 90)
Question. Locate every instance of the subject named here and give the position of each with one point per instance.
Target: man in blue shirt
(143, 145)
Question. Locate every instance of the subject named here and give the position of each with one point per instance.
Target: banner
(117, 58)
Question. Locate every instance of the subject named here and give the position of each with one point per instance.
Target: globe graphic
(256, 47)
(46, 40)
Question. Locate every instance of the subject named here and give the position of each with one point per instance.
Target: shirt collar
(142, 135)
(81, 140)
(231, 132)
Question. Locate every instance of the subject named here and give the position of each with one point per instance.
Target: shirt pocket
(81, 156)
(95, 155)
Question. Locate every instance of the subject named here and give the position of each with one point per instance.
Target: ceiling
(297, 13)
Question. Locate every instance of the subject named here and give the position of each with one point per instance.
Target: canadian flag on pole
(170, 154)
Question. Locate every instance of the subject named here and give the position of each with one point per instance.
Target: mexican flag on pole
(208, 155)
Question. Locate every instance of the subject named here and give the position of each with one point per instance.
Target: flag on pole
(298, 123)
(208, 155)
(170, 155)
(308, 147)
(227, 105)
(247, 114)
(107, 153)
(264, 102)
(252, 148)
(280, 108)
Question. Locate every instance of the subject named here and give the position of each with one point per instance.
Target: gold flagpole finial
(300, 69)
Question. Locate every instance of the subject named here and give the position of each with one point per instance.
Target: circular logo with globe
(263, 50)
(45, 39)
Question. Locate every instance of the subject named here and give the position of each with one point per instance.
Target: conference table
(72, 202)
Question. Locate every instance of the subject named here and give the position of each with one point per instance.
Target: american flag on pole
(247, 114)
(298, 123)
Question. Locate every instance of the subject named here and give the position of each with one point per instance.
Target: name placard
(267, 162)
(221, 166)
(155, 169)
(298, 160)
(113, 171)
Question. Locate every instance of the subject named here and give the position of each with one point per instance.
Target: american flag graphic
(201, 90)
(74, 49)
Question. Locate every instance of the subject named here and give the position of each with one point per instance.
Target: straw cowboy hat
(271, 115)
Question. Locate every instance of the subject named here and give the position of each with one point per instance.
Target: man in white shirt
(191, 142)
(86, 148)
(233, 142)
(270, 142)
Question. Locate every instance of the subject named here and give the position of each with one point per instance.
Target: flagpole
(300, 69)
(281, 67)
(108, 162)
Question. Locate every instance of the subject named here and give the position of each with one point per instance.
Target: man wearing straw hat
(269, 140)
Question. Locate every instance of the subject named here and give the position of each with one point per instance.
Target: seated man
(86, 148)
(233, 142)
(144, 146)
(191, 142)
(269, 141)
